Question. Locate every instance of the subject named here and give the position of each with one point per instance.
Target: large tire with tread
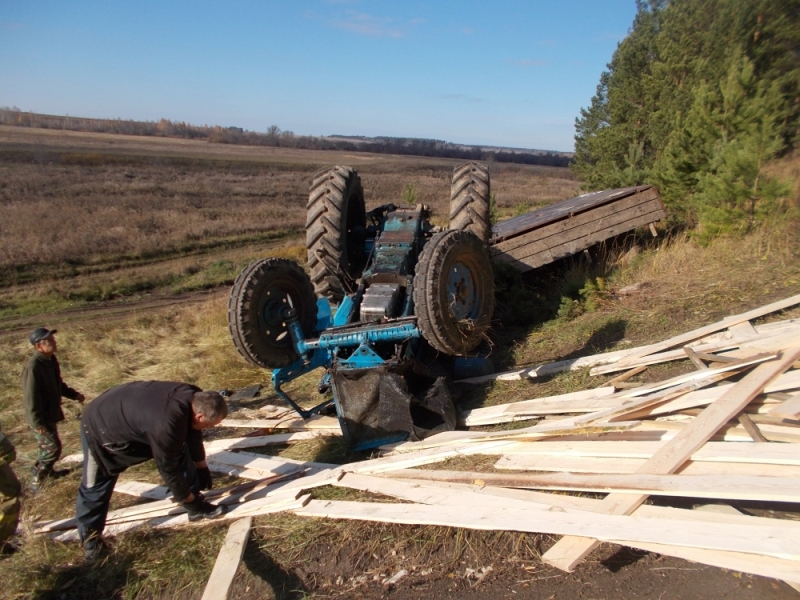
(454, 292)
(335, 209)
(257, 298)
(469, 200)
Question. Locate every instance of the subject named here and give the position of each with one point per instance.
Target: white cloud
(370, 25)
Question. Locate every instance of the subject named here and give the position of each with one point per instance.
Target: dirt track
(107, 311)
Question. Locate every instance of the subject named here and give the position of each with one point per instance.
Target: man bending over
(135, 422)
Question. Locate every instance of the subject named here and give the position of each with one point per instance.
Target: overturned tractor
(391, 305)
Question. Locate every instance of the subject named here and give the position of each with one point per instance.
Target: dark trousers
(94, 493)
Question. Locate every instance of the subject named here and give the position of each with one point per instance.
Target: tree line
(697, 99)
(277, 138)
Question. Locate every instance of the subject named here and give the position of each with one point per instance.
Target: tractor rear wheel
(255, 305)
(334, 213)
(454, 292)
(469, 200)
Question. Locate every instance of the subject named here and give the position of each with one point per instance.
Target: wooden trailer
(566, 228)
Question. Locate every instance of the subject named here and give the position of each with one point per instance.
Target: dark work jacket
(42, 388)
(137, 421)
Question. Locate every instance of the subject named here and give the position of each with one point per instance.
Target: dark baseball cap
(39, 334)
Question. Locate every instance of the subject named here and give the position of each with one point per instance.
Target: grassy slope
(681, 286)
(543, 317)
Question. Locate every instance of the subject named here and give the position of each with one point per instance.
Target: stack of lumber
(722, 433)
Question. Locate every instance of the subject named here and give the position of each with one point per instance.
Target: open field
(635, 291)
(98, 217)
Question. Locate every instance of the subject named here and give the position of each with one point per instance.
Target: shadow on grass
(623, 557)
(105, 580)
(283, 584)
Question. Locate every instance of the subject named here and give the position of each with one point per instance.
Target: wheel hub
(461, 291)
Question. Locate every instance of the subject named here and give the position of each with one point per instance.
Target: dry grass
(681, 285)
(93, 199)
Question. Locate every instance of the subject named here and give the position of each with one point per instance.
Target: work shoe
(57, 473)
(94, 549)
(200, 509)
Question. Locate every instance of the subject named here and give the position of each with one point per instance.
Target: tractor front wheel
(454, 292)
(255, 305)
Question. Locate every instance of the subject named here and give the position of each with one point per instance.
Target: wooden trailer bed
(566, 228)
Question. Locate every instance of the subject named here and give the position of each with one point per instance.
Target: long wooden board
(726, 487)
(714, 327)
(568, 552)
(767, 566)
(228, 559)
(582, 401)
(719, 340)
(770, 541)
(789, 409)
(727, 452)
(592, 464)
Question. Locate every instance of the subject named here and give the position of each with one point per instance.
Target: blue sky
(510, 73)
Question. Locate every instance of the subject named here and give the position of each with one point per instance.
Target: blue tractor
(392, 303)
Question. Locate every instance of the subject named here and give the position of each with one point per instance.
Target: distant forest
(284, 139)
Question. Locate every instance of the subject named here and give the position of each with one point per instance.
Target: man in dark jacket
(135, 422)
(42, 389)
(9, 492)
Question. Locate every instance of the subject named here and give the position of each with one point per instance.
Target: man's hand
(80, 398)
(204, 477)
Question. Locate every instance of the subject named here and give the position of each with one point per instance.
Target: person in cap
(42, 389)
(9, 493)
(132, 423)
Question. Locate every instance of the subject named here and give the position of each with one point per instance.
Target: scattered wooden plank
(627, 375)
(766, 454)
(701, 366)
(141, 489)
(265, 440)
(314, 422)
(259, 507)
(594, 464)
(568, 552)
(766, 566)
(745, 328)
(789, 409)
(767, 540)
(751, 428)
(675, 385)
(702, 331)
(562, 403)
(724, 487)
(713, 343)
(422, 457)
(228, 559)
(549, 429)
(272, 464)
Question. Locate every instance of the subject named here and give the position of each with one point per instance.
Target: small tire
(254, 311)
(469, 200)
(454, 292)
(334, 212)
